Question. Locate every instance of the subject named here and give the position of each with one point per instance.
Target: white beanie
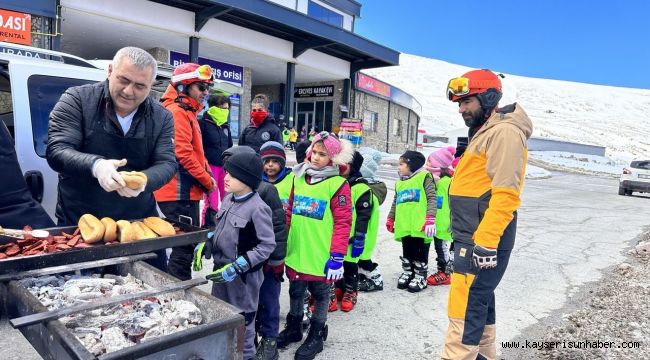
(371, 161)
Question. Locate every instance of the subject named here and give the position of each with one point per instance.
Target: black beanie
(301, 151)
(245, 167)
(357, 161)
(413, 159)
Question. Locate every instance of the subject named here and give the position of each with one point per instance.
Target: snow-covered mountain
(615, 117)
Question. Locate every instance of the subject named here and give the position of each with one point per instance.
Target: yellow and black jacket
(485, 191)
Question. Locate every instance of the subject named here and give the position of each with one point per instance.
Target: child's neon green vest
(411, 207)
(312, 225)
(371, 234)
(443, 214)
(284, 188)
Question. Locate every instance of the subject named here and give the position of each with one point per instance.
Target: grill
(191, 235)
(219, 336)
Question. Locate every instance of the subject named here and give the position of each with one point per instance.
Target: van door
(35, 89)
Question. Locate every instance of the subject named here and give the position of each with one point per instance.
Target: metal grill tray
(219, 336)
(192, 235)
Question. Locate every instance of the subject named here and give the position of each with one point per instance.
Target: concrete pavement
(570, 227)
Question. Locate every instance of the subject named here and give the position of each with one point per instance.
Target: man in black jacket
(96, 129)
(17, 207)
(262, 127)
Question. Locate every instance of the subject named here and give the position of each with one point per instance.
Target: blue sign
(222, 71)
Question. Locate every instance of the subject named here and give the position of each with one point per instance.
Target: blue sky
(596, 41)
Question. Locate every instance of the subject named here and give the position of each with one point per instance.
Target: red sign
(373, 85)
(15, 27)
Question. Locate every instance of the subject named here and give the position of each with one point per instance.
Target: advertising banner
(15, 27)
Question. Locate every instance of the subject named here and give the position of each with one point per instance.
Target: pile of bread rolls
(94, 230)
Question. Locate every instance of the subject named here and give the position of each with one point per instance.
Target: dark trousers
(442, 257)
(414, 249)
(267, 322)
(320, 290)
(180, 260)
(249, 335)
(367, 265)
(350, 281)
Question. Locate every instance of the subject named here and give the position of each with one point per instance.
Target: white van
(31, 82)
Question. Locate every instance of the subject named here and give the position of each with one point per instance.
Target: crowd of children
(327, 209)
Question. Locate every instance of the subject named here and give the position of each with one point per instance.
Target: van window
(44, 93)
(6, 107)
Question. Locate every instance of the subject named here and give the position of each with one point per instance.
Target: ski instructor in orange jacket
(179, 198)
(484, 196)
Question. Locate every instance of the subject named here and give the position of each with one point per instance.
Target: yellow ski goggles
(457, 87)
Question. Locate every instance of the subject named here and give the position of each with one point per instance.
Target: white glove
(129, 193)
(334, 275)
(106, 173)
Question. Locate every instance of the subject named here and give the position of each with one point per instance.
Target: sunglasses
(202, 86)
(203, 72)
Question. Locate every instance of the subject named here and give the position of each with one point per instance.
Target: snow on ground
(579, 162)
(608, 116)
(534, 172)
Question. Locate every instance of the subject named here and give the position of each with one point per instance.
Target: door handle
(34, 179)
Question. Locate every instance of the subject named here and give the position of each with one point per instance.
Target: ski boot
(349, 301)
(370, 280)
(407, 274)
(439, 278)
(419, 281)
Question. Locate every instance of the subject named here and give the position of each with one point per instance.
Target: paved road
(570, 228)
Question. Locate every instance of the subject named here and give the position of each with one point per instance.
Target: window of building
(324, 14)
(44, 93)
(370, 120)
(397, 127)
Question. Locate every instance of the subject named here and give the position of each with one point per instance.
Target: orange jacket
(193, 177)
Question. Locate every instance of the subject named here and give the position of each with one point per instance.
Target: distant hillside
(618, 118)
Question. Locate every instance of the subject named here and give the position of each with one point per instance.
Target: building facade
(303, 53)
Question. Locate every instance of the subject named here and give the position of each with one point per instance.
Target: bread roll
(92, 230)
(159, 226)
(134, 179)
(142, 231)
(110, 229)
(125, 233)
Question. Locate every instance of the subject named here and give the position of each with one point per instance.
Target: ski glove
(358, 243)
(429, 227)
(390, 225)
(106, 173)
(334, 267)
(202, 250)
(229, 272)
(484, 258)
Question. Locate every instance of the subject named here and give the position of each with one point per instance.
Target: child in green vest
(370, 278)
(412, 219)
(275, 172)
(320, 198)
(365, 220)
(439, 165)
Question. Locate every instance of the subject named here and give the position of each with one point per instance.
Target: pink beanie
(441, 158)
(340, 151)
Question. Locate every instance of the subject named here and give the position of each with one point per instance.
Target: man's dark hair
(218, 100)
